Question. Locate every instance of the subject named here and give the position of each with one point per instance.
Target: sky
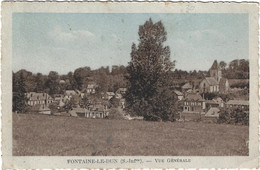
(63, 42)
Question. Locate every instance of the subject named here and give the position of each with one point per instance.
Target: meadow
(44, 135)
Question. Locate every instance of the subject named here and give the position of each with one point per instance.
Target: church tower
(215, 71)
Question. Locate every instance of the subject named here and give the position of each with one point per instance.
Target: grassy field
(44, 135)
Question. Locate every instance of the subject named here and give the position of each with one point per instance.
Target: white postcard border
(10, 161)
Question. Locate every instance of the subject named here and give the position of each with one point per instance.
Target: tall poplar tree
(19, 96)
(148, 92)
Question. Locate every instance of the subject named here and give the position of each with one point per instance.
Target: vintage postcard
(129, 85)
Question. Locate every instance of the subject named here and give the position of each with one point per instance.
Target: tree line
(112, 80)
(53, 83)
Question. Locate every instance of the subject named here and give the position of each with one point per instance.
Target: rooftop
(211, 80)
(212, 112)
(110, 93)
(194, 97)
(187, 86)
(91, 86)
(178, 93)
(38, 96)
(238, 102)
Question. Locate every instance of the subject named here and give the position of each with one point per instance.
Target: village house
(38, 98)
(209, 85)
(176, 84)
(211, 103)
(178, 94)
(193, 107)
(93, 111)
(62, 82)
(80, 94)
(40, 102)
(220, 102)
(60, 99)
(108, 95)
(243, 104)
(120, 93)
(187, 87)
(215, 83)
(91, 88)
(70, 93)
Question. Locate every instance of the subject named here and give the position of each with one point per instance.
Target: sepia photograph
(130, 84)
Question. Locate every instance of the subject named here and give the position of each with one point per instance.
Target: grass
(43, 135)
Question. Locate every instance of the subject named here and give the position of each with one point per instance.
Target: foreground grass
(44, 135)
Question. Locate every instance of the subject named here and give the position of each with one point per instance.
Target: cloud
(61, 36)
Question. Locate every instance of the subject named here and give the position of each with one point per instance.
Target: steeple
(214, 65)
(215, 71)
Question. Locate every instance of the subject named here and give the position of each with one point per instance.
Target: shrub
(210, 96)
(234, 116)
(115, 114)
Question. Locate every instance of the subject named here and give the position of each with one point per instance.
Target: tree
(222, 65)
(39, 82)
(149, 93)
(19, 97)
(114, 102)
(234, 116)
(85, 103)
(72, 84)
(70, 104)
(81, 75)
(52, 83)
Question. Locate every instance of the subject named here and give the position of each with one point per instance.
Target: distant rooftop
(178, 92)
(187, 86)
(213, 112)
(194, 96)
(211, 80)
(238, 102)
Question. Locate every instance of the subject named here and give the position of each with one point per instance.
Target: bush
(115, 114)
(234, 116)
(210, 96)
(240, 84)
(54, 108)
(114, 102)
